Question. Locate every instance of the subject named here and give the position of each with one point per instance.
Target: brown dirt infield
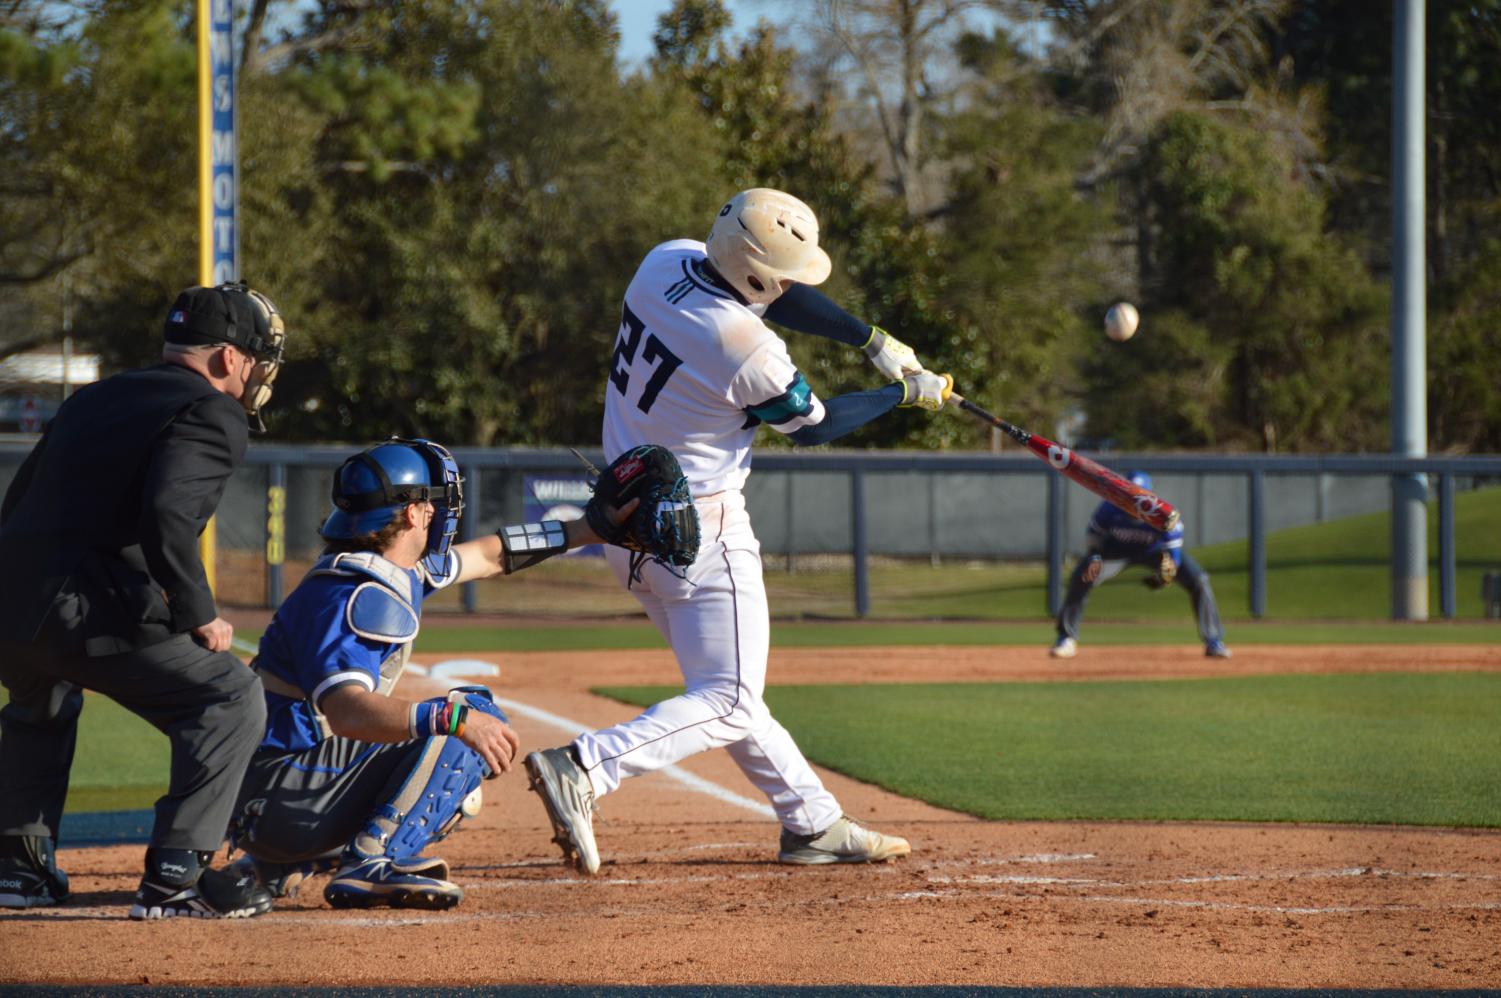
(690, 893)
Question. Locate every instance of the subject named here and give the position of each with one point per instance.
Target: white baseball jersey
(697, 372)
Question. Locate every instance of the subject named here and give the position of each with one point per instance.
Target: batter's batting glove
(926, 390)
(890, 355)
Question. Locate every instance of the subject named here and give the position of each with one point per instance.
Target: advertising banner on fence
(557, 497)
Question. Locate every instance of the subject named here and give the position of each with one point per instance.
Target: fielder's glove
(890, 355)
(664, 527)
(1092, 567)
(1166, 572)
(926, 390)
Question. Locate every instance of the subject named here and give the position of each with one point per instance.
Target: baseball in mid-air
(1121, 321)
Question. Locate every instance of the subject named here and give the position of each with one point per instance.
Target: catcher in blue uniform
(1116, 539)
(347, 777)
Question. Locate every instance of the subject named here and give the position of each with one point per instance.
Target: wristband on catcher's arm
(525, 544)
(431, 718)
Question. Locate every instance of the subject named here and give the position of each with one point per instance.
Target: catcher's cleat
(215, 894)
(845, 841)
(381, 882)
(569, 798)
(1065, 648)
(1216, 649)
(282, 880)
(22, 885)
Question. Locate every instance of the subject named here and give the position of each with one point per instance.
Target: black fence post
(1258, 544)
(857, 523)
(1055, 545)
(1446, 580)
(468, 529)
(276, 532)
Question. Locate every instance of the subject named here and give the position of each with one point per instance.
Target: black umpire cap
(224, 314)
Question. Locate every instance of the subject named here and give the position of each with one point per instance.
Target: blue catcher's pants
(343, 794)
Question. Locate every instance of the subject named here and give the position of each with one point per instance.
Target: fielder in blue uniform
(348, 778)
(1117, 539)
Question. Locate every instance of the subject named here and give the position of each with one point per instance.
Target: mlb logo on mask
(178, 316)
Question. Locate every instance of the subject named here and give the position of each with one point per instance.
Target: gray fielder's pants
(296, 806)
(1190, 576)
(208, 704)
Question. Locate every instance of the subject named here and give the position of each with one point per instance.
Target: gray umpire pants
(1190, 576)
(208, 704)
(297, 806)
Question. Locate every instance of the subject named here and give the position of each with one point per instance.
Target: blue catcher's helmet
(373, 487)
(1141, 478)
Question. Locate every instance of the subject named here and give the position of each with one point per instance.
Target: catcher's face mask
(373, 488)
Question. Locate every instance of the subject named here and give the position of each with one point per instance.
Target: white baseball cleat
(1065, 648)
(845, 841)
(569, 798)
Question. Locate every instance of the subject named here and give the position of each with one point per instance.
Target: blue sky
(638, 20)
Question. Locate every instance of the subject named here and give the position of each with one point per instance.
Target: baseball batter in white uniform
(697, 370)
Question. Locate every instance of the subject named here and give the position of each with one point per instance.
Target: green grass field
(1271, 748)
(1401, 749)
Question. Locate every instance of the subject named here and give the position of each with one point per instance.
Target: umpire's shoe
(215, 894)
(22, 885)
(29, 877)
(569, 797)
(845, 841)
(383, 882)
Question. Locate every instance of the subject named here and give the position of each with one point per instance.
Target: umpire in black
(103, 589)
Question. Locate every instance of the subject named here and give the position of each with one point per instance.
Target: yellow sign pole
(207, 541)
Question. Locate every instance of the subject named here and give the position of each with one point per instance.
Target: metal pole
(933, 558)
(1408, 371)
(1258, 545)
(790, 521)
(467, 527)
(857, 523)
(1055, 544)
(276, 532)
(1447, 588)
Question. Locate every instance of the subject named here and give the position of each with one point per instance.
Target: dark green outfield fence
(861, 504)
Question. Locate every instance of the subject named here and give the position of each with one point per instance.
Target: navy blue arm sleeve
(844, 413)
(807, 310)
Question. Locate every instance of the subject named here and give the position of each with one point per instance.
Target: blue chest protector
(378, 603)
(383, 607)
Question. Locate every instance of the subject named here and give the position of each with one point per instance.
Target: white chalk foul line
(695, 783)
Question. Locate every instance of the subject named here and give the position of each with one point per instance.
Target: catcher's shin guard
(427, 805)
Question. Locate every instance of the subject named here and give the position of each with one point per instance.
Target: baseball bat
(1119, 492)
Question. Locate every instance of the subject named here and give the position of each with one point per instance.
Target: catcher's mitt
(1165, 574)
(664, 527)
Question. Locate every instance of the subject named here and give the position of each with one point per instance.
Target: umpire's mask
(236, 314)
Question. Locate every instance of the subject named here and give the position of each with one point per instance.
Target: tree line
(446, 198)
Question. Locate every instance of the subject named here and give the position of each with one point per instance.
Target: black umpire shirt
(99, 530)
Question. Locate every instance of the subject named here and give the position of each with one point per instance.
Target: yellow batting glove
(926, 390)
(890, 355)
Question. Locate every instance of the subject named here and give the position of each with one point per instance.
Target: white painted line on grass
(687, 779)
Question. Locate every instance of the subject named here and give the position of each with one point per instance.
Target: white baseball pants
(717, 623)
